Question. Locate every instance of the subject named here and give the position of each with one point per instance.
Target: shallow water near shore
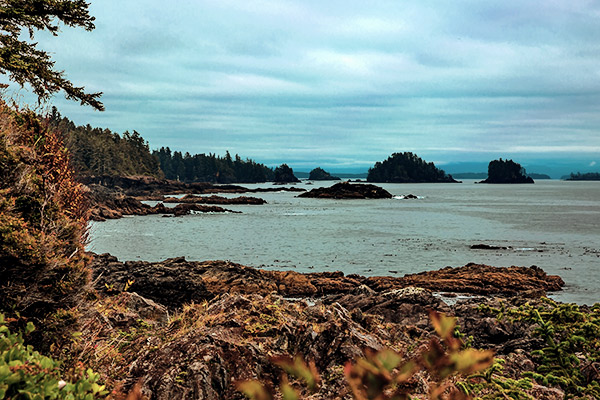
(552, 224)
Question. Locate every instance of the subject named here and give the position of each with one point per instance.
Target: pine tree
(24, 62)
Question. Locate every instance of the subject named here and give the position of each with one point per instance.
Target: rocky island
(284, 174)
(347, 190)
(319, 174)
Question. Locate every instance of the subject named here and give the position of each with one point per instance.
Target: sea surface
(552, 224)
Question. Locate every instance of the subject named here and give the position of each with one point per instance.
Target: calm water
(552, 224)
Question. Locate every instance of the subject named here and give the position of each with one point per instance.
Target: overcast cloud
(344, 84)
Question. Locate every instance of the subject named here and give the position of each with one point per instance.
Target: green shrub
(26, 374)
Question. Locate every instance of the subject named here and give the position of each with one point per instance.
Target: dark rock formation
(109, 204)
(185, 281)
(192, 199)
(476, 279)
(233, 343)
(483, 246)
(347, 190)
(506, 171)
(319, 174)
(150, 188)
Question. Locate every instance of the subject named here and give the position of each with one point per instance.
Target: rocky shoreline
(114, 197)
(195, 328)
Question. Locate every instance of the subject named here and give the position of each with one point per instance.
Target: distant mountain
(470, 175)
(538, 176)
(554, 168)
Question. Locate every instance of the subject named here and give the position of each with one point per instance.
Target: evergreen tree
(24, 62)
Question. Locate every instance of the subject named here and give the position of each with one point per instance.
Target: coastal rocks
(185, 209)
(227, 321)
(192, 199)
(409, 305)
(347, 190)
(476, 279)
(109, 204)
(231, 338)
(175, 281)
(482, 246)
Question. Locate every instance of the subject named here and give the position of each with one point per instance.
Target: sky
(343, 84)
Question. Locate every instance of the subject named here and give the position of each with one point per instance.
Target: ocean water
(552, 224)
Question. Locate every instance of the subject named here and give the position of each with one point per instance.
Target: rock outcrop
(228, 320)
(175, 281)
(108, 204)
(347, 190)
(192, 199)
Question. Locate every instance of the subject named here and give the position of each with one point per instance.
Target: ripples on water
(552, 224)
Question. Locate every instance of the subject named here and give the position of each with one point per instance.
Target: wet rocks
(109, 204)
(484, 279)
(483, 246)
(185, 281)
(347, 190)
(192, 199)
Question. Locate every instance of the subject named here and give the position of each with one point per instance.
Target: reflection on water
(552, 224)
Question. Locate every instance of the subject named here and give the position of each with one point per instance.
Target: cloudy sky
(342, 84)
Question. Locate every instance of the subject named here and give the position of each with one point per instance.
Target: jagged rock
(109, 204)
(234, 340)
(347, 190)
(186, 281)
(477, 279)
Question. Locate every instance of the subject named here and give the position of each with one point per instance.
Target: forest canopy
(211, 168)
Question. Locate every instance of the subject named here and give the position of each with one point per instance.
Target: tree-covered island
(319, 174)
(407, 168)
(506, 171)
